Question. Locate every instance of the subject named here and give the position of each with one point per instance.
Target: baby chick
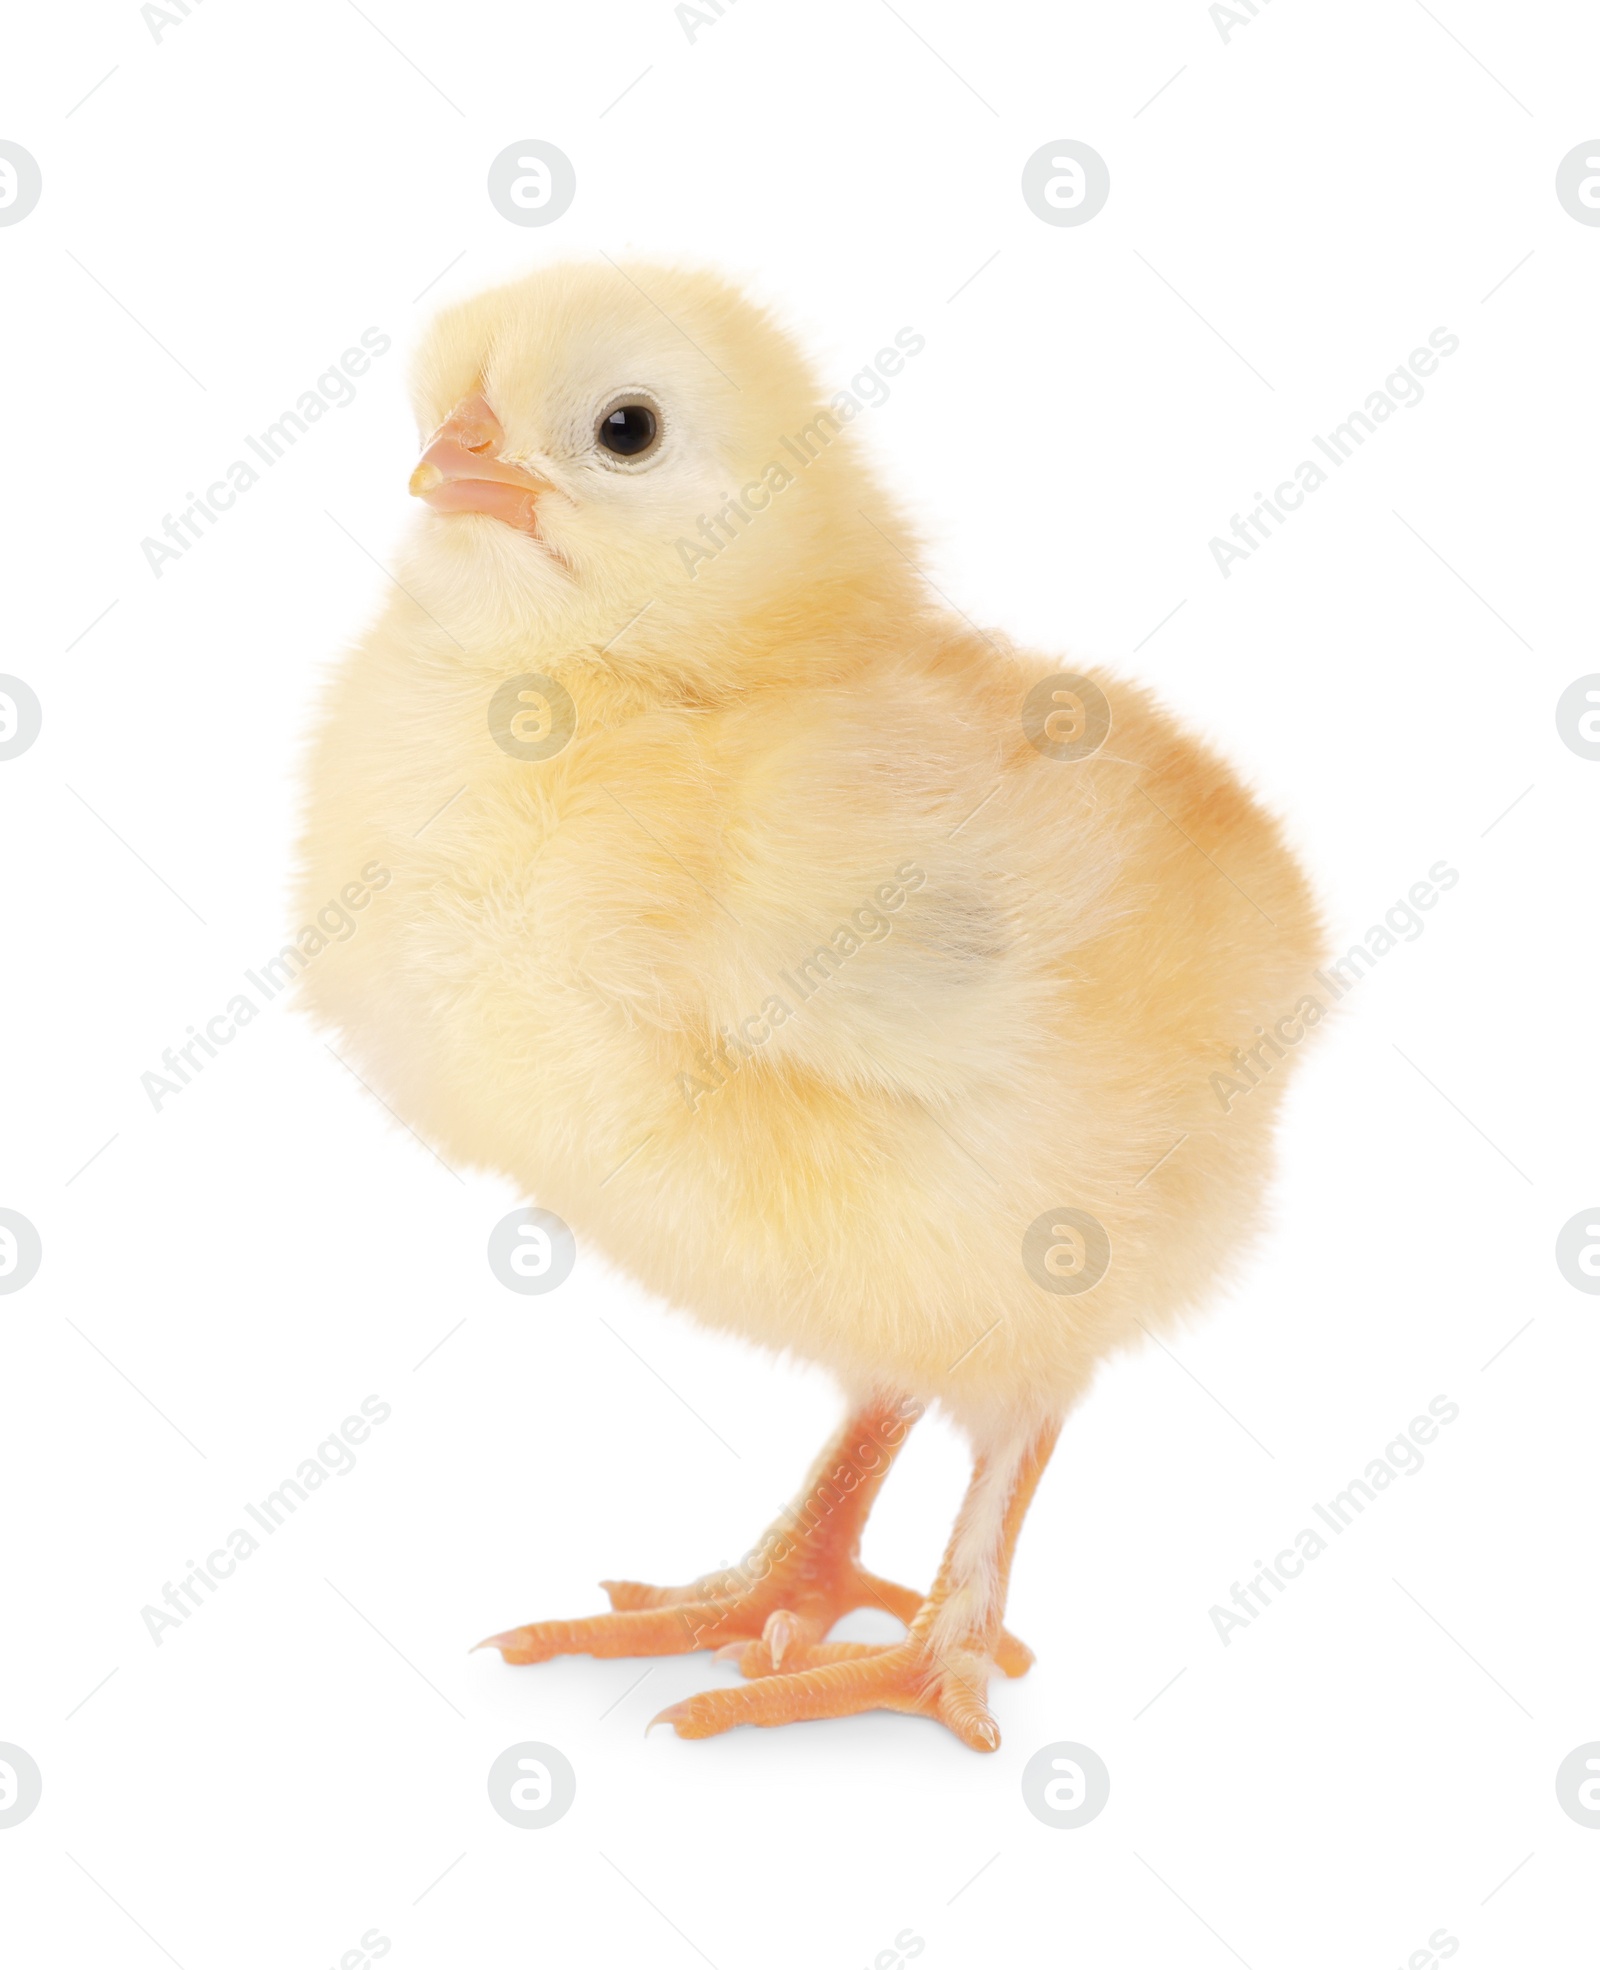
(854, 980)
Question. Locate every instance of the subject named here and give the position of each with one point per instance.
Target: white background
(226, 1279)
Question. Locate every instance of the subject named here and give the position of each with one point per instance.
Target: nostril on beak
(474, 426)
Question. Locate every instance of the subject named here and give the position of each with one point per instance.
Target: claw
(965, 1711)
(784, 1631)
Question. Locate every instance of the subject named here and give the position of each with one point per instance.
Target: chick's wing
(847, 884)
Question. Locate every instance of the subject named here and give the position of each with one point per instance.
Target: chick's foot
(953, 1640)
(775, 1608)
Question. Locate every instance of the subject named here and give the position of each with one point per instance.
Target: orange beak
(462, 471)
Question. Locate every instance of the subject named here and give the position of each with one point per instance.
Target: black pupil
(628, 430)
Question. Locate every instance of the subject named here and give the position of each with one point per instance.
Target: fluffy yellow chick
(854, 980)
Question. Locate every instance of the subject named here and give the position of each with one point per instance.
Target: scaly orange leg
(942, 1667)
(802, 1576)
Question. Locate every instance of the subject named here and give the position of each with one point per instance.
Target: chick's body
(802, 980)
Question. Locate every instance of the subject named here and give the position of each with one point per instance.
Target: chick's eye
(629, 430)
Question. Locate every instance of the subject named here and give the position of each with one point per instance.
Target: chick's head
(601, 440)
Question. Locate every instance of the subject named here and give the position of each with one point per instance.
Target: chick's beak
(462, 470)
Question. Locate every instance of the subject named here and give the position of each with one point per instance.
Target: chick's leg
(799, 1579)
(955, 1639)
